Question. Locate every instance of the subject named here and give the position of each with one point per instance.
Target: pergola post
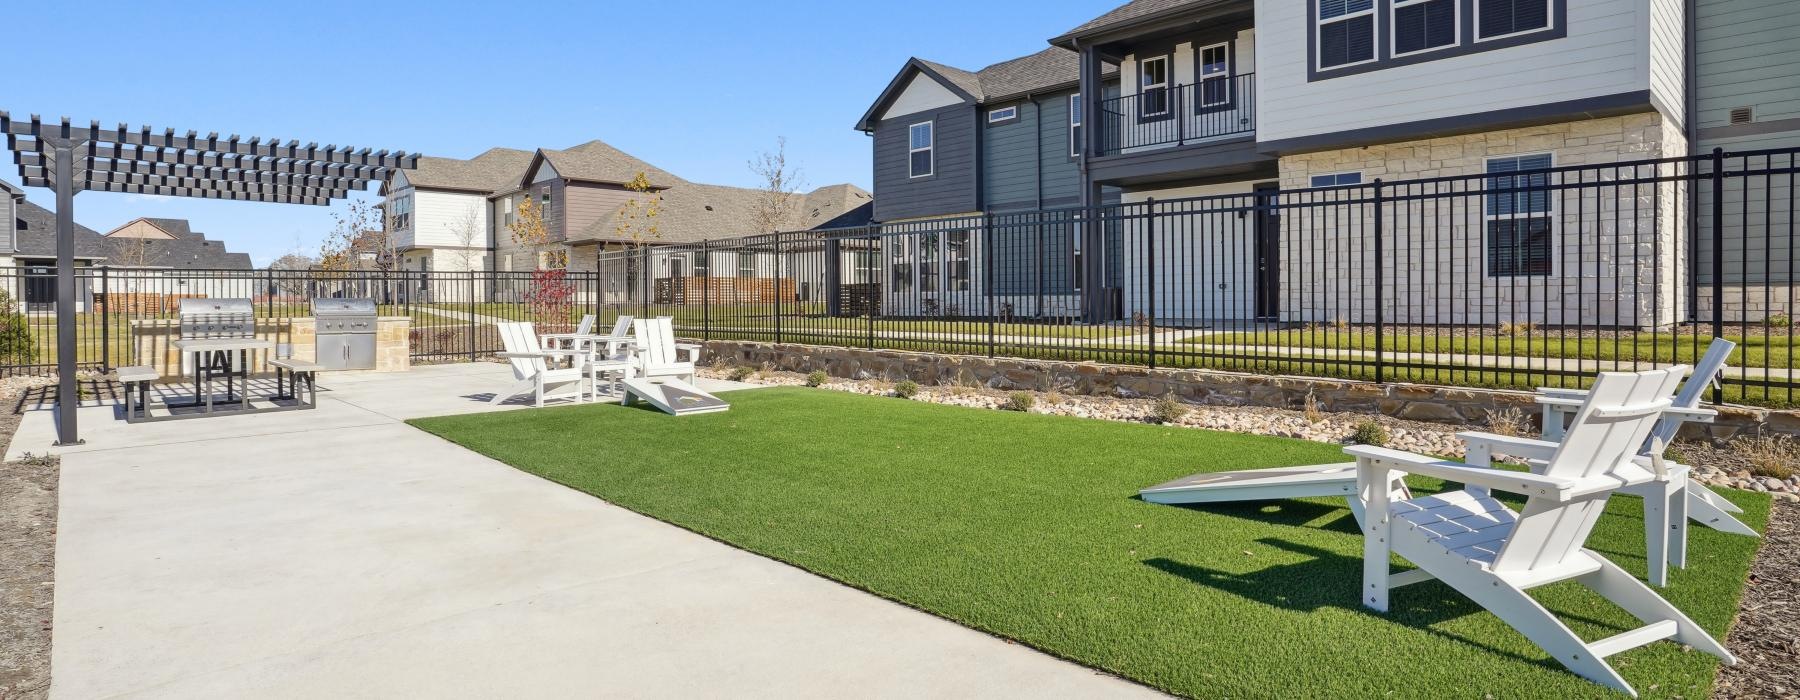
(68, 397)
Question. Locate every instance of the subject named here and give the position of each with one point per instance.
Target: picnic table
(211, 359)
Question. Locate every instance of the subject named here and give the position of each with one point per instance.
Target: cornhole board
(1257, 485)
(676, 397)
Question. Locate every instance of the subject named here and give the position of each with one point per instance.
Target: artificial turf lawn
(1028, 526)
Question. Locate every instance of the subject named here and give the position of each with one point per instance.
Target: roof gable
(967, 87)
(598, 162)
(494, 169)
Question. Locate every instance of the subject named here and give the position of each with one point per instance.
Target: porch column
(1090, 228)
(68, 398)
(834, 279)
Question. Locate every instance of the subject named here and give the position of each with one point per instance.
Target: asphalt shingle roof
(597, 161)
(496, 169)
(692, 212)
(36, 235)
(1129, 12)
(1051, 67)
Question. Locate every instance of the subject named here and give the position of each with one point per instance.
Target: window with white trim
(956, 260)
(919, 142)
(1153, 83)
(929, 255)
(400, 212)
(1336, 179)
(1003, 114)
(1346, 32)
(1423, 25)
(1521, 216)
(746, 264)
(900, 261)
(1501, 18)
(1075, 125)
(1215, 75)
(702, 265)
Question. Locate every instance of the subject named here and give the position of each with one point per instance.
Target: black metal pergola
(69, 159)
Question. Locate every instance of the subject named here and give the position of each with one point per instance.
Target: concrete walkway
(340, 553)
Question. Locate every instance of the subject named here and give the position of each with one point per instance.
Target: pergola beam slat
(255, 148)
(35, 161)
(190, 192)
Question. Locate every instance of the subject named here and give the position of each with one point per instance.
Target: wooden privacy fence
(724, 290)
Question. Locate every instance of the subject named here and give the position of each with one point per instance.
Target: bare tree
(528, 229)
(129, 252)
(467, 232)
(779, 190)
(359, 235)
(292, 271)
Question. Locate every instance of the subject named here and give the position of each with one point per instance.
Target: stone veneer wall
(151, 343)
(1616, 257)
(1419, 402)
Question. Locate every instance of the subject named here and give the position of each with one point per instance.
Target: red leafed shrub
(550, 298)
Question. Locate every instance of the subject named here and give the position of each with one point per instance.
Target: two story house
(453, 215)
(1241, 100)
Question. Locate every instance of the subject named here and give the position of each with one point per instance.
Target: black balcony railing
(1183, 114)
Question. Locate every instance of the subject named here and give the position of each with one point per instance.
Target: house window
(702, 265)
(928, 262)
(1499, 18)
(1075, 125)
(1520, 216)
(901, 264)
(1153, 77)
(1003, 114)
(956, 260)
(1215, 75)
(1346, 32)
(746, 264)
(867, 266)
(400, 212)
(918, 149)
(1336, 179)
(1423, 25)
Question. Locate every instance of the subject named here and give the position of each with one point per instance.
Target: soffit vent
(1741, 115)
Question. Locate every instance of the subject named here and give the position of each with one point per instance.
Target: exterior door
(1268, 252)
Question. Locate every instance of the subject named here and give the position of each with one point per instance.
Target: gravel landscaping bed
(27, 558)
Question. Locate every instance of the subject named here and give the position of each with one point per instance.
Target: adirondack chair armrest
(692, 350)
(1568, 404)
(1561, 393)
(1521, 447)
(1691, 415)
(1524, 483)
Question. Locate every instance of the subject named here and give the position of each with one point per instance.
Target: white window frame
(1319, 39)
(1334, 176)
(1549, 23)
(1076, 117)
(743, 257)
(930, 148)
(1003, 114)
(1550, 213)
(1145, 88)
(1394, 8)
(1075, 125)
(1201, 76)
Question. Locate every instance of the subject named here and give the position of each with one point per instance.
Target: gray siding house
(1238, 98)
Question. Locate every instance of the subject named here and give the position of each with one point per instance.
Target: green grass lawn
(1027, 527)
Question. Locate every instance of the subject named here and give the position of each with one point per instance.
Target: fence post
(473, 294)
(1150, 271)
(1718, 256)
(105, 324)
(780, 264)
(1380, 292)
(987, 279)
(706, 291)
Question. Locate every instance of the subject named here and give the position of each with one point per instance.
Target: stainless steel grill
(345, 333)
(204, 319)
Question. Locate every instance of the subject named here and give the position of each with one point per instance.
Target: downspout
(1691, 68)
(1037, 176)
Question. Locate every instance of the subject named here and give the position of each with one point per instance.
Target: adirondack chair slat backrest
(656, 340)
(521, 338)
(1620, 412)
(622, 326)
(586, 327)
(1692, 392)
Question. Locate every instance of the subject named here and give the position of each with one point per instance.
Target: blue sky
(698, 88)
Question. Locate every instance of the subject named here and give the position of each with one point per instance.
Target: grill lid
(217, 307)
(325, 307)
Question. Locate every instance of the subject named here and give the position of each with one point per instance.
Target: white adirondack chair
(658, 355)
(1486, 551)
(609, 345)
(1671, 499)
(532, 370)
(566, 341)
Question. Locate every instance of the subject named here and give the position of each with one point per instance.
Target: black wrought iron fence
(1514, 278)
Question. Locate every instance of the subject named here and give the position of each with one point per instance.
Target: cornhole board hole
(674, 397)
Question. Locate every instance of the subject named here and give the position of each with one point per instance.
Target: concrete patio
(341, 553)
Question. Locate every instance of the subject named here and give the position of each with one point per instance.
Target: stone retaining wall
(1418, 402)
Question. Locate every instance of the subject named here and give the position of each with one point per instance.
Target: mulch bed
(1766, 638)
(27, 564)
